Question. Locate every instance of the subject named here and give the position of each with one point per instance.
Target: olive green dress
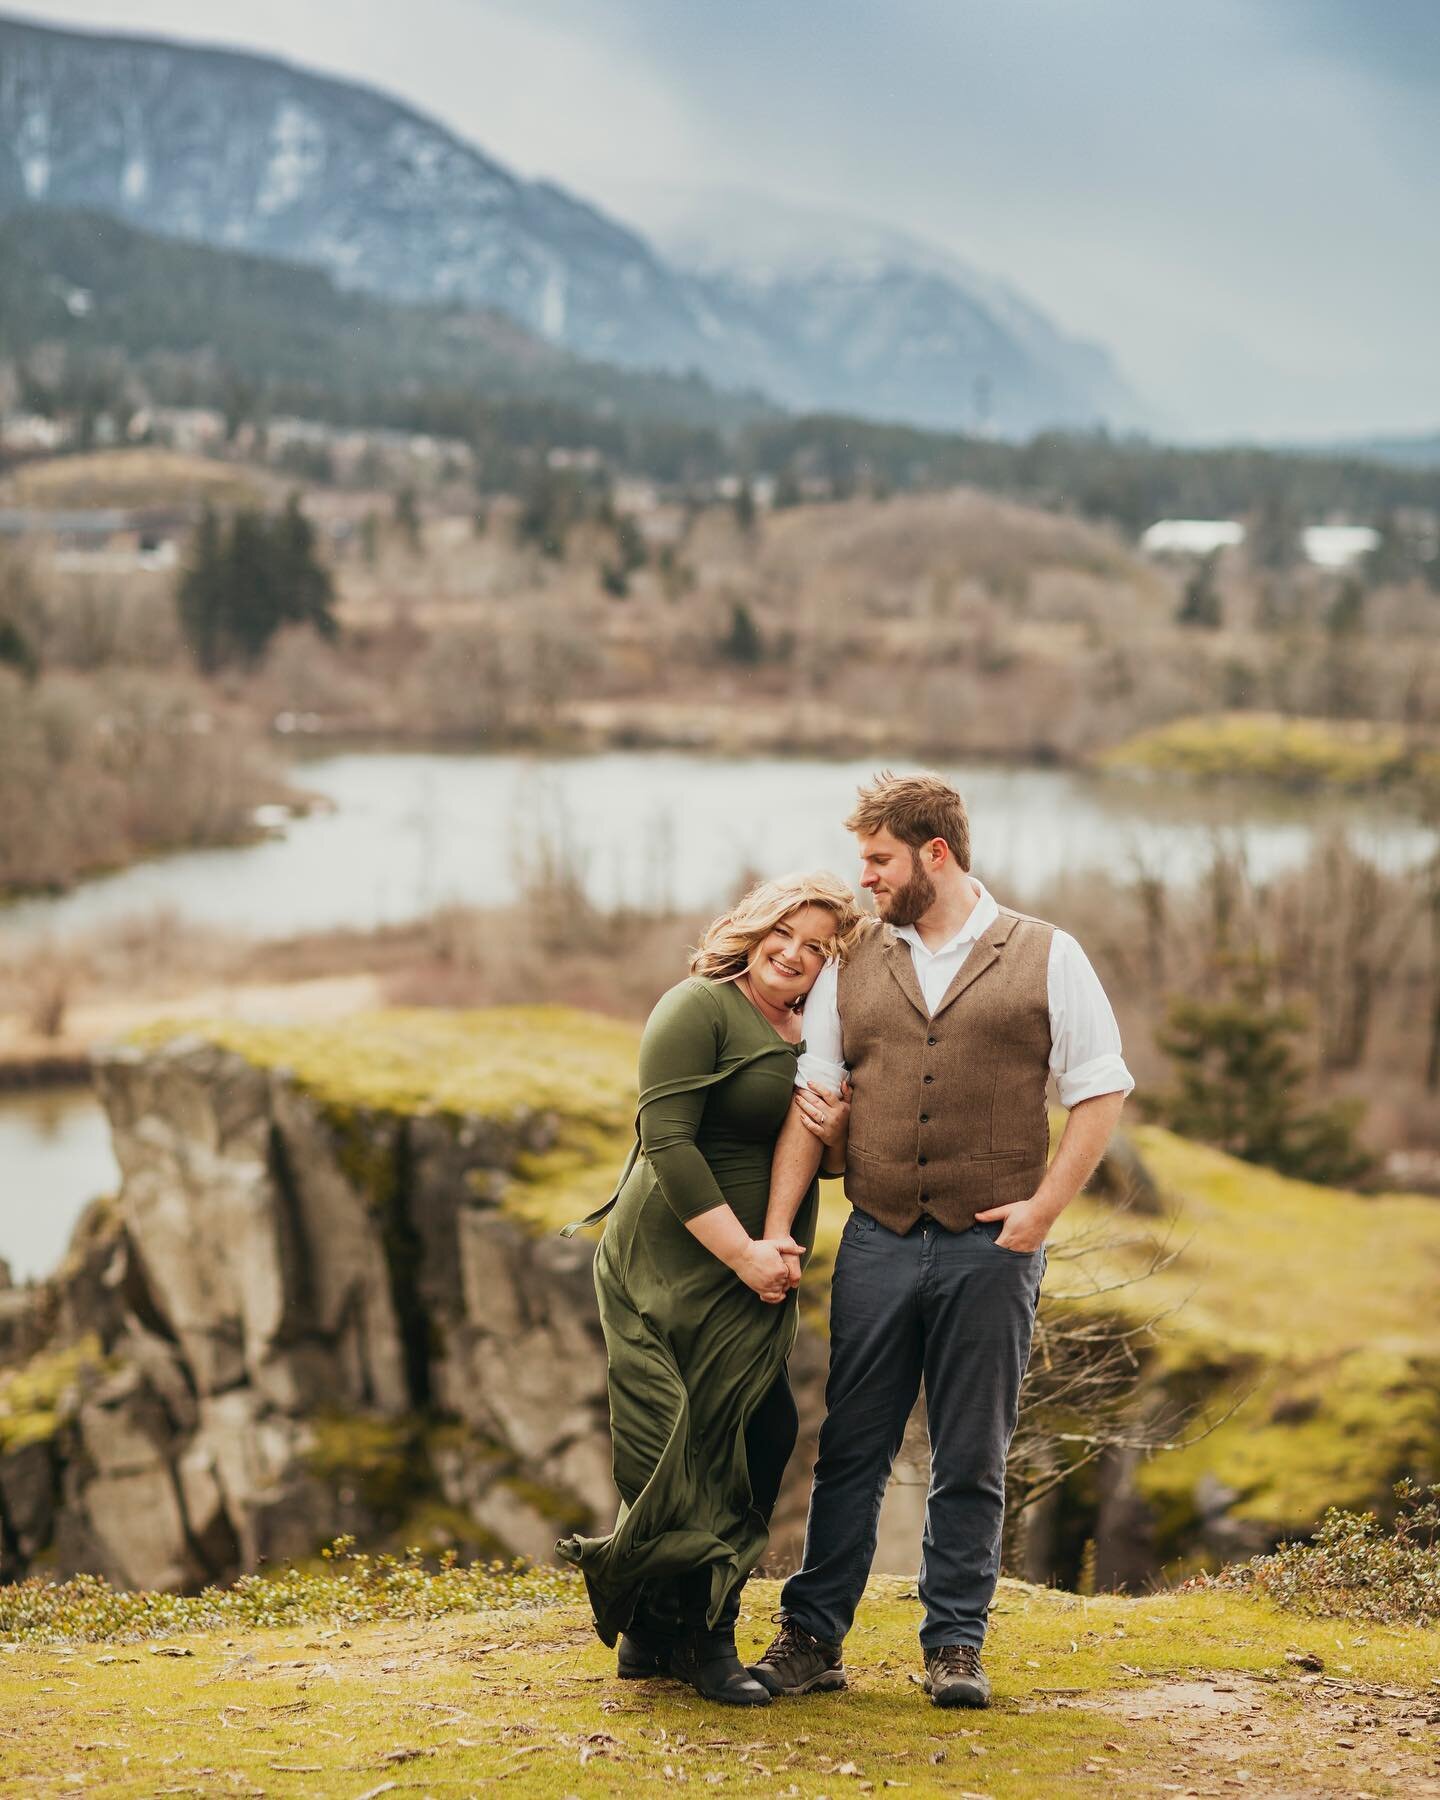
(692, 1350)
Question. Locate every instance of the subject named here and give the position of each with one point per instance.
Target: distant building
(1327, 546)
(101, 540)
(1338, 546)
(1191, 537)
(25, 433)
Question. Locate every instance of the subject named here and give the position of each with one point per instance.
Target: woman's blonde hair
(723, 953)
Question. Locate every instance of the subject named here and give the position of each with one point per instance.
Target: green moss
(1290, 751)
(32, 1396)
(383, 1459)
(1310, 1306)
(502, 1063)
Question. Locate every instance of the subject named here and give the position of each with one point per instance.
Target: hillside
(451, 1684)
(261, 156)
(195, 320)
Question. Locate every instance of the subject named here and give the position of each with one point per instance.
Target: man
(948, 1019)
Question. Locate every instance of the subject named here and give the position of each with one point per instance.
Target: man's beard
(909, 904)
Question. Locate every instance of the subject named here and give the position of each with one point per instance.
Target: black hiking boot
(797, 1663)
(642, 1656)
(707, 1661)
(954, 1677)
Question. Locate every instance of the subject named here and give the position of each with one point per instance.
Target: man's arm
(797, 1157)
(1087, 1131)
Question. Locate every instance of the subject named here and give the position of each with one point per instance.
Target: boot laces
(957, 1659)
(788, 1639)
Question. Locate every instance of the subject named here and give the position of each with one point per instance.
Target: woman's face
(784, 964)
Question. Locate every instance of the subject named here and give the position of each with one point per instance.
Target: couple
(948, 1013)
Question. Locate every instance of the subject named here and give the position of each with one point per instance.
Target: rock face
(276, 1278)
(305, 1321)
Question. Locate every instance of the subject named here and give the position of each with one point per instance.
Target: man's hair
(915, 809)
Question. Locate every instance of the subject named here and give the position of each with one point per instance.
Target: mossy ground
(1315, 1306)
(1187, 1693)
(1293, 752)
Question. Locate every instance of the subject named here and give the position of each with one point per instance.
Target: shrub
(1356, 1567)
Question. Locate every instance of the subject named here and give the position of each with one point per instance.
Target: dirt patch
(1303, 1739)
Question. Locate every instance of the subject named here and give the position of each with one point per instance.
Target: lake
(400, 833)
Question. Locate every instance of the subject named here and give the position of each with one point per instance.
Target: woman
(698, 1310)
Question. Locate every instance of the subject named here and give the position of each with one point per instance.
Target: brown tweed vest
(949, 1114)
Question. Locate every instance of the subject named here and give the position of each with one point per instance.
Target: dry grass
(134, 477)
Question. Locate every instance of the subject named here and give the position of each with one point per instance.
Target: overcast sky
(1240, 198)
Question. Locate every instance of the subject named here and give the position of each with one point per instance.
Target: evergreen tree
(742, 643)
(202, 607)
(1240, 1081)
(1272, 538)
(16, 652)
(1200, 602)
(407, 516)
(242, 584)
(1346, 616)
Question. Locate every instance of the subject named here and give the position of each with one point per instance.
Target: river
(399, 834)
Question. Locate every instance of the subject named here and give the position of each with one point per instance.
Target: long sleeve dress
(692, 1350)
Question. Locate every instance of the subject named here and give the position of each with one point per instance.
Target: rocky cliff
(328, 1299)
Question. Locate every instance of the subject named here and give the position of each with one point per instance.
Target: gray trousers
(953, 1309)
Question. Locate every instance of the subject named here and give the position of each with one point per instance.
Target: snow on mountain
(906, 328)
(251, 153)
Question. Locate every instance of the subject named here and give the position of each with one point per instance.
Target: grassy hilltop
(1198, 1693)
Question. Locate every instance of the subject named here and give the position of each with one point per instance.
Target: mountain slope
(253, 154)
(876, 321)
(192, 316)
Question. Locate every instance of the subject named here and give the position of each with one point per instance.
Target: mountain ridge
(327, 170)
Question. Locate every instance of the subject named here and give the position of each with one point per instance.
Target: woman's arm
(683, 1037)
(827, 1117)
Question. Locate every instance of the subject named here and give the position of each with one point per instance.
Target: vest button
(924, 1118)
(923, 1161)
(931, 1040)
(924, 1199)
(928, 1080)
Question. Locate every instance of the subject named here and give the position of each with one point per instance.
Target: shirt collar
(982, 916)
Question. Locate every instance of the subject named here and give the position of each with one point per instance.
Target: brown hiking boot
(797, 1663)
(954, 1677)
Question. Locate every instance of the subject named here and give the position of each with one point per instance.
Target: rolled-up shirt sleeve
(1085, 1053)
(822, 1061)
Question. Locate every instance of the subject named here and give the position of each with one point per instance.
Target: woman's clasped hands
(771, 1267)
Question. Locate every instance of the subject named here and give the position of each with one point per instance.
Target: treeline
(96, 318)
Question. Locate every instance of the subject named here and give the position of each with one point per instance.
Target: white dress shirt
(1085, 1056)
